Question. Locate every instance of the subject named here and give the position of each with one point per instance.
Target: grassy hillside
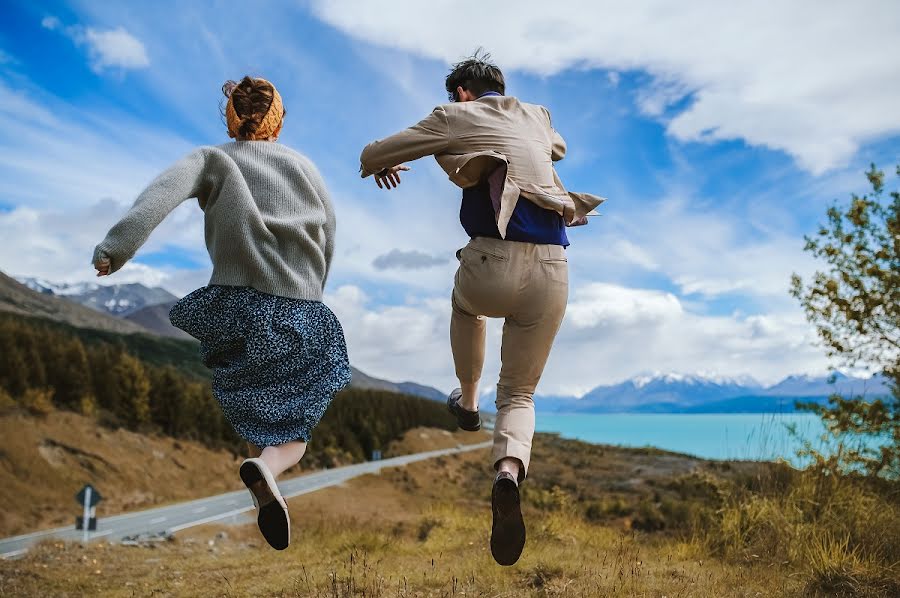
(641, 523)
(44, 461)
(154, 385)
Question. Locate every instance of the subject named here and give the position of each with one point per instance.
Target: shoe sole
(508, 529)
(272, 518)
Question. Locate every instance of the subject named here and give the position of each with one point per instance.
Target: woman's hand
(103, 265)
(389, 178)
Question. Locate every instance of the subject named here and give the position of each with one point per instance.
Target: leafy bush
(855, 306)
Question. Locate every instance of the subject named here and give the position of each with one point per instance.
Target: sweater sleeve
(180, 182)
(329, 228)
(429, 136)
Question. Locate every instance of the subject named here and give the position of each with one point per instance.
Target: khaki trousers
(528, 286)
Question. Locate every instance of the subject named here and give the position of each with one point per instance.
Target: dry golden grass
(417, 531)
(840, 534)
(44, 461)
(442, 552)
(602, 521)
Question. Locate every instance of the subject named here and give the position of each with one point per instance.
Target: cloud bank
(813, 80)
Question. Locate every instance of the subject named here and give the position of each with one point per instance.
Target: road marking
(158, 519)
(209, 519)
(230, 502)
(199, 510)
(38, 534)
(14, 553)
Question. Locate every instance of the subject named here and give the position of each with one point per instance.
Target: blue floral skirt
(277, 362)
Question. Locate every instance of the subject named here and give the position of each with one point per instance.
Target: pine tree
(71, 374)
(13, 373)
(131, 391)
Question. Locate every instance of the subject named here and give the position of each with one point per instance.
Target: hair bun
(228, 87)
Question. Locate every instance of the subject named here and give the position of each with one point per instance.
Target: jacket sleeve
(180, 182)
(557, 143)
(429, 136)
(559, 147)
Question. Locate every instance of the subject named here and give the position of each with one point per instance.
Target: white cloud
(610, 333)
(616, 332)
(814, 80)
(387, 340)
(50, 22)
(107, 48)
(706, 253)
(412, 259)
(613, 77)
(115, 48)
(57, 244)
(600, 304)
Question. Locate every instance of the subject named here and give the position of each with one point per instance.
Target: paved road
(177, 517)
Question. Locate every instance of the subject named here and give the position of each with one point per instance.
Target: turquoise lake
(756, 436)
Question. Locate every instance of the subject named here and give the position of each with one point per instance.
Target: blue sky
(719, 134)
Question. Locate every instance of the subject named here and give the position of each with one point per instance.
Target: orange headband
(269, 124)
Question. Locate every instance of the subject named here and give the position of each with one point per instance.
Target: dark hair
(477, 75)
(252, 99)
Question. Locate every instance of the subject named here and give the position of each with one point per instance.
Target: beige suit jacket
(472, 140)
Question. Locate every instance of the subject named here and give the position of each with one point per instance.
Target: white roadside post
(86, 517)
(87, 497)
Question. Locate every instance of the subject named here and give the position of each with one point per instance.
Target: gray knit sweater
(268, 218)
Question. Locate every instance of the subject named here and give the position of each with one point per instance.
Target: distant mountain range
(679, 393)
(120, 300)
(131, 308)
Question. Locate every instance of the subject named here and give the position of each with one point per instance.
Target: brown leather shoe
(508, 528)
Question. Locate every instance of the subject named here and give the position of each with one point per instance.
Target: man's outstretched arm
(557, 143)
(558, 151)
(430, 136)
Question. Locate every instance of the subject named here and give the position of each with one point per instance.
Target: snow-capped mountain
(805, 386)
(693, 393)
(117, 299)
(46, 287)
(664, 392)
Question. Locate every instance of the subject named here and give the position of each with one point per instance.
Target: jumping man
(500, 151)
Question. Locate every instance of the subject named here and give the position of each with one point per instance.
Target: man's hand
(102, 267)
(389, 178)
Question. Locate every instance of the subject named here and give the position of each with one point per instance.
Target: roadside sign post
(87, 497)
